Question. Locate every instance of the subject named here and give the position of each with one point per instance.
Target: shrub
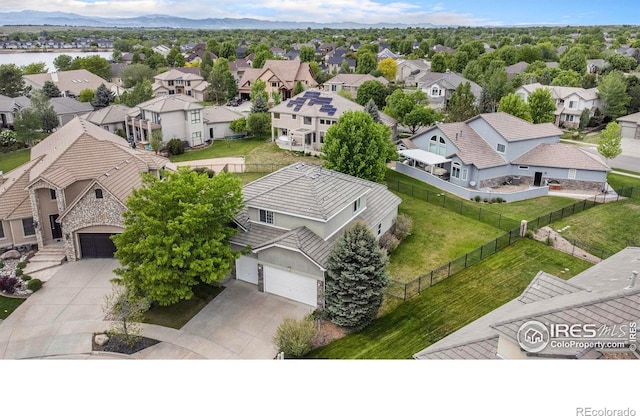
(8, 138)
(25, 278)
(295, 338)
(402, 226)
(550, 241)
(493, 200)
(8, 284)
(34, 285)
(175, 147)
(389, 242)
(485, 200)
(499, 200)
(529, 234)
(19, 272)
(21, 265)
(477, 198)
(1, 264)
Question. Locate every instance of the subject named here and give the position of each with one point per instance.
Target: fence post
(562, 214)
(481, 247)
(444, 200)
(550, 214)
(499, 220)
(584, 204)
(573, 249)
(449, 271)
(509, 237)
(461, 207)
(602, 255)
(465, 260)
(405, 291)
(419, 281)
(431, 279)
(479, 214)
(496, 245)
(538, 222)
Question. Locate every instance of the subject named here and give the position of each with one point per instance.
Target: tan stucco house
(71, 83)
(175, 81)
(351, 82)
(73, 191)
(279, 76)
(291, 221)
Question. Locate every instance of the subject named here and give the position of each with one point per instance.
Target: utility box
(515, 180)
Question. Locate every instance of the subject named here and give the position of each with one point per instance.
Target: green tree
(574, 59)
(135, 73)
(156, 140)
(399, 104)
(103, 97)
(35, 68)
(86, 95)
(356, 278)
(177, 234)
(298, 89)
(180, 61)
(421, 116)
(51, 89)
(567, 78)
(461, 105)
(541, 106)
(307, 54)
(206, 65)
(372, 89)
(260, 104)
(259, 87)
(514, 105)
(496, 86)
(140, 93)
(259, 124)
(171, 56)
(125, 312)
(62, 62)
(216, 90)
(228, 50)
(358, 146)
(261, 57)
(295, 338)
(49, 119)
(239, 125)
(11, 81)
(610, 143)
(613, 94)
(585, 116)
(372, 109)
(94, 64)
(26, 124)
(440, 62)
(365, 62)
(389, 68)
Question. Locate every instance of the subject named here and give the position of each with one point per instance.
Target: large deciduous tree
(574, 59)
(177, 234)
(11, 82)
(134, 73)
(62, 62)
(389, 68)
(372, 90)
(94, 64)
(514, 105)
(365, 62)
(358, 146)
(613, 94)
(356, 278)
(307, 54)
(541, 106)
(461, 105)
(35, 68)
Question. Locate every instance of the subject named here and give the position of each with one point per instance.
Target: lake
(26, 58)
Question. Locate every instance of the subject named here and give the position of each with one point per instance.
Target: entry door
(537, 180)
(56, 230)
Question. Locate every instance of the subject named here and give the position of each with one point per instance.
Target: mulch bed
(116, 344)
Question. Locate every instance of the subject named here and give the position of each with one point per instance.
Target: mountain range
(38, 18)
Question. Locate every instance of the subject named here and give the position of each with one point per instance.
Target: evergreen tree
(372, 109)
(49, 119)
(356, 278)
(462, 105)
(11, 82)
(103, 97)
(260, 105)
(299, 88)
(51, 89)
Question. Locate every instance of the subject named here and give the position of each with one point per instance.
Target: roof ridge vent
(634, 277)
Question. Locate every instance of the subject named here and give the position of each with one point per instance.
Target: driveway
(59, 320)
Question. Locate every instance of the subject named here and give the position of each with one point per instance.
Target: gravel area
(562, 244)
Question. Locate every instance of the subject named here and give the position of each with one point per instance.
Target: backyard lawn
(8, 305)
(453, 303)
(530, 208)
(10, 161)
(619, 181)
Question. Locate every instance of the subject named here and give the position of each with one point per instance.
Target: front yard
(453, 303)
(10, 161)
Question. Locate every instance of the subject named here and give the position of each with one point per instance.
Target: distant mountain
(32, 17)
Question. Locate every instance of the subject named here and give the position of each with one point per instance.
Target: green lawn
(176, 315)
(438, 236)
(619, 181)
(530, 208)
(10, 161)
(8, 305)
(611, 226)
(453, 303)
(256, 150)
(408, 184)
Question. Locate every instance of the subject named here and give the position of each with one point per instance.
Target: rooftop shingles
(473, 149)
(560, 155)
(514, 129)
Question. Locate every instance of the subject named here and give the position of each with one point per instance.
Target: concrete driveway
(59, 320)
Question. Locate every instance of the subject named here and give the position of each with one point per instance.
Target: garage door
(96, 245)
(290, 285)
(247, 269)
(628, 130)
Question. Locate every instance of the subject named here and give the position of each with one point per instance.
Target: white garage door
(628, 130)
(247, 269)
(290, 285)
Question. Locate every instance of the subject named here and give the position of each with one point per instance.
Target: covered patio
(431, 163)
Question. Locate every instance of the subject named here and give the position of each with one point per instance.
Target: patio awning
(423, 156)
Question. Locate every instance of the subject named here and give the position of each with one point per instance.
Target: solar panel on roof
(332, 112)
(297, 107)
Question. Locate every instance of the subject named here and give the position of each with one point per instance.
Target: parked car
(235, 101)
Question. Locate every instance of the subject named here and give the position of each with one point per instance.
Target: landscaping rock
(11, 254)
(101, 339)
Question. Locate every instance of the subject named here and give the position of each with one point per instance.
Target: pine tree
(356, 278)
(103, 97)
(51, 89)
(260, 105)
(372, 109)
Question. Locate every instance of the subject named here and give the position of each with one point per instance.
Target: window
(171, 83)
(573, 104)
(356, 205)
(307, 120)
(195, 116)
(266, 216)
(568, 117)
(501, 148)
(334, 88)
(1, 231)
(188, 92)
(188, 83)
(293, 116)
(28, 228)
(379, 229)
(274, 85)
(171, 92)
(442, 147)
(196, 135)
(521, 167)
(433, 145)
(276, 115)
(322, 121)
(52, 192)
(455, 170)
(435, 91)
(99, 193)
(464, 174)
(155, 118)
(572, 174)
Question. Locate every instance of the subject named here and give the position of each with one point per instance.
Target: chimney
(54, 77)
(634, 277)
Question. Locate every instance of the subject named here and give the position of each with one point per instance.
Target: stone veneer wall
(88, 212)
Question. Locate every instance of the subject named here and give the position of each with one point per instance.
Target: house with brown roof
(73, 191)
(570, 102)
(70, 83)
(476, 156)
(601, 305)
(630, 126)
(280, 76)
(175, 81)
(291, 221)
(351, 82)
(110, 118)
(440, 86)
(410, 70)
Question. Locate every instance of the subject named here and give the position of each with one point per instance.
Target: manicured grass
(438, 235)
(453, 303)
(10, 161)
(8, 305)
(256, 150)
(620, 181)
(530, 208)
(408, 184)
(611, 226)
(175, 316)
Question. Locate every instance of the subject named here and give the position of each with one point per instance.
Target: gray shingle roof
(561, 155)
(545, 286)
(473, 149)
(512, 128)
(304, 240)
(482, 349)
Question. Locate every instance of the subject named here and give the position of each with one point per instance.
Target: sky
(460, 12)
